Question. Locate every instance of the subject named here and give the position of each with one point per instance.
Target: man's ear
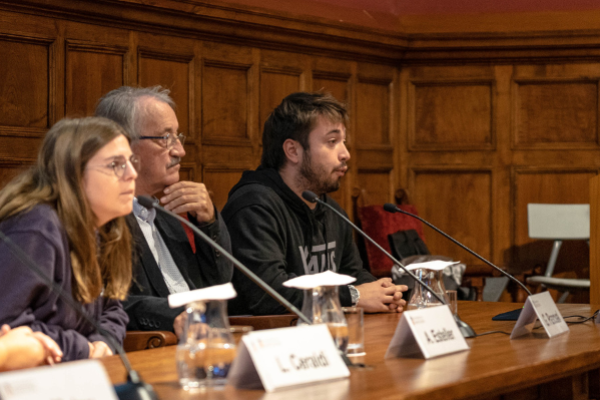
(293, 151)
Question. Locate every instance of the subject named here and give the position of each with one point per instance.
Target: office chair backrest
(559, 221)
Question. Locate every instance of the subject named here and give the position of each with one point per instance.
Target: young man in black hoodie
(279, 235)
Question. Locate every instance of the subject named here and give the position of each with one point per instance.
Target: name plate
(78, 380)
(540, 306)
(431, 331)
(281, 358)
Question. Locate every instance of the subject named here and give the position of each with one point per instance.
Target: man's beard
(318, 180)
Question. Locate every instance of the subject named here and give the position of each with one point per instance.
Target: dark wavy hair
(294, 119)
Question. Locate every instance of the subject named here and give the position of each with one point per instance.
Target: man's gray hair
(124, 106)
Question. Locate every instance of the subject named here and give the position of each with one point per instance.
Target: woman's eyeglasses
(119, 165)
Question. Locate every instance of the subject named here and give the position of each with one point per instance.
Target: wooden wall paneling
(281, 73)
(556, 113)
(219, 179)
(11, 168)
(91, 71)
(230, 113)
(595, 241)
(458, 200)
(450, 114)
(226, 96)
(18, 150)
(26, 85)
(275, 84)
(558, 184)
(374, 126)
(377, 184)
(174, 71)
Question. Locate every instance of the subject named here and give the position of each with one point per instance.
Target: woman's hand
(22, 348)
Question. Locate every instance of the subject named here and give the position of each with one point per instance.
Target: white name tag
(431, 331)
(540, 306)
(285, 357)
(79, 380)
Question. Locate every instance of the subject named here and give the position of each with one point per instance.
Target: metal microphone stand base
(464, 328)
(135, 391)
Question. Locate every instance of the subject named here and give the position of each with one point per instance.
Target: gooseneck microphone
(135, 388)
(464, 328)
(149, 203)
(391, 208)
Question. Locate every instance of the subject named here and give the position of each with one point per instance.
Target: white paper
(431, 330)
(218, 292)
(77, 380)
(287, 357)
(327, 278)
(434, 265)
(540, 306)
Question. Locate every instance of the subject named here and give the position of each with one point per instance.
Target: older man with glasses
(165, 261)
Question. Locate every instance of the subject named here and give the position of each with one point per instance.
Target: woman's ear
(293, 151)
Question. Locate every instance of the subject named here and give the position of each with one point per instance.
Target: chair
(558, 222)
(378, 223)
(143, 340)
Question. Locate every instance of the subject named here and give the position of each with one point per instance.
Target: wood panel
(220, 180)
(336, 84)
(10, 169)
(373, 114)
(458, 201)
(173, 71)
(595, 240)
(225, 108)
(377, 185)
(447, 115)
(91, 71)
(276, 84)
(25, 84)
(556, 113)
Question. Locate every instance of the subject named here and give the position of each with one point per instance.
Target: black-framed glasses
(119, 165)
(167, 141)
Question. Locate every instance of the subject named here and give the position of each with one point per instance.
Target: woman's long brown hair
(101, 259)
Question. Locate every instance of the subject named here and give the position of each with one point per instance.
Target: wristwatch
(355, 294)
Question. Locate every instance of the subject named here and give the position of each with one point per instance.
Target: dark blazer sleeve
(147, 304)
(221, 270)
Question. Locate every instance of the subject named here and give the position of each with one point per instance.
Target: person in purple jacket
(66, 213)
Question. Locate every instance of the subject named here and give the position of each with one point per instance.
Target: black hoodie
(275, 234)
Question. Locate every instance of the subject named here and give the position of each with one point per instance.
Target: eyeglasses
(167, 141)
(119, 165)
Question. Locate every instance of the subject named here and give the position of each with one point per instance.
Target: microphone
(391, 208)
(135, 388)
(149, 203)
(464, 328)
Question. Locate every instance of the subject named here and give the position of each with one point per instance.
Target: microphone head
(389, 207)
(310, 196)
(146, 201)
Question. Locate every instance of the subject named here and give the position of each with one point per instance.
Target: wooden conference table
(531, 367)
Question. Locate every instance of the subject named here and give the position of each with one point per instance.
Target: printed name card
(540, 306)
(281, 358)
(431, 331)
(79, 380)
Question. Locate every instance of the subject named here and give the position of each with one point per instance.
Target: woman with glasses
(66, 213)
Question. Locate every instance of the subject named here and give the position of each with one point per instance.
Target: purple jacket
(26, 300)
